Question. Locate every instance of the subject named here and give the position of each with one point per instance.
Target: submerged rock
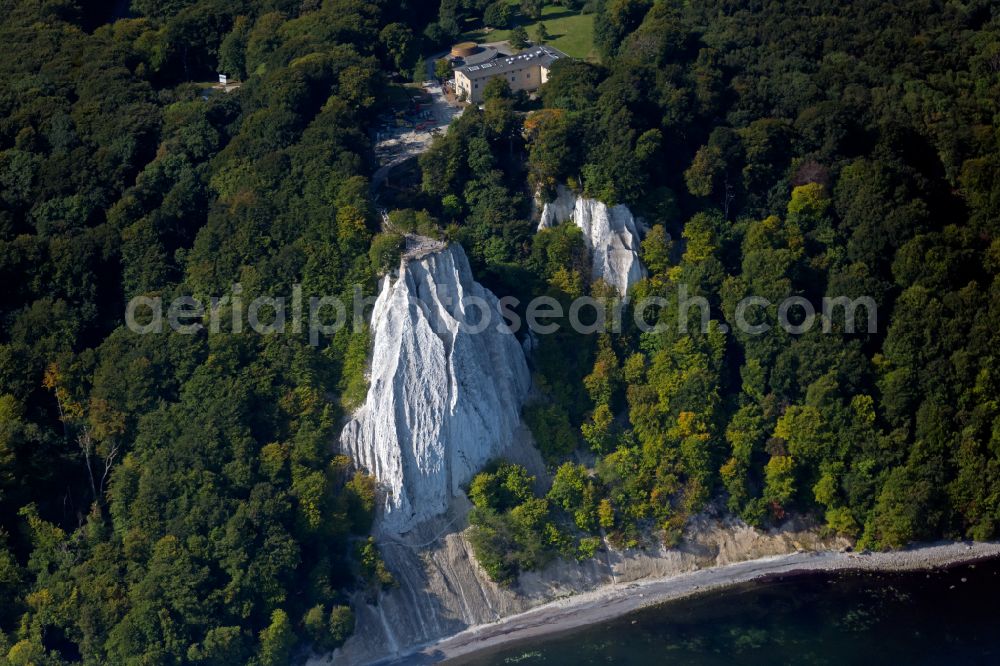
(611, 235)
(443, 399)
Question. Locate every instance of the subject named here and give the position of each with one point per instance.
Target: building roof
(538, 55)
(484, 54)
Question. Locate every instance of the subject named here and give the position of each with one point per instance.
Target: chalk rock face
(443, 399)
(611, 235)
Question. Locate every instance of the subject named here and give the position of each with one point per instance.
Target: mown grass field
(569, 31)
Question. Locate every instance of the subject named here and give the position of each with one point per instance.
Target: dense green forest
(176, 499)
(777, 149)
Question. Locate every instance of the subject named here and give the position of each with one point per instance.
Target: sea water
(941, 617)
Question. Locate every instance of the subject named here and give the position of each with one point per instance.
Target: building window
(528, 75)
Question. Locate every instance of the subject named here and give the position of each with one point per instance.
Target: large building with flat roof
(527, 70)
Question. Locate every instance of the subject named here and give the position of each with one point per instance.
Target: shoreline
(612, 601)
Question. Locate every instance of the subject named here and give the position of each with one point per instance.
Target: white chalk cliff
(442, 399)
(611, 235)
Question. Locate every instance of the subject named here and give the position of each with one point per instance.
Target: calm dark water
(941, 617)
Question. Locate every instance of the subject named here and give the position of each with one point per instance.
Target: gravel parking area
(396, 144)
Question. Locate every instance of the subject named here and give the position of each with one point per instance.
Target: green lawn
(570, 32)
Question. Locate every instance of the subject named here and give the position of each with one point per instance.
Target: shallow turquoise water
(938, 617)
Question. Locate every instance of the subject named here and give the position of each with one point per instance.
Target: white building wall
(529, 78)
